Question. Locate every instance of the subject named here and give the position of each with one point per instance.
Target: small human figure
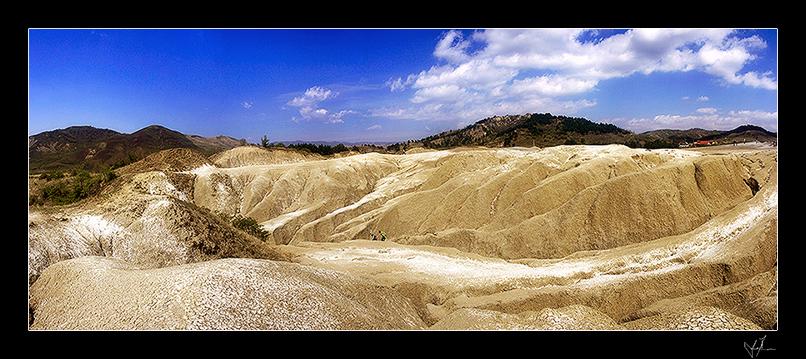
(383, 235)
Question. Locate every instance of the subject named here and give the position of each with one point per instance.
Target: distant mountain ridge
(546, 130)
(93, 149)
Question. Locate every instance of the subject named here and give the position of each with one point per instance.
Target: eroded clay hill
(507, 203)
(584, 237)
(146, 217)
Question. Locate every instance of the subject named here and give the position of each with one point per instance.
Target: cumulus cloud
(452, 47)
(312, 96)
(374, 127)
(702, 99)
(538, 69)
(753, 79)
(247, 105)
(552, 85)
(710, 119)
(309, 108)
(707, 110)
(399, 84)
(441, 92)
(338, 117)
(309, 112)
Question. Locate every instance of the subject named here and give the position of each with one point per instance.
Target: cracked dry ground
(560, 238)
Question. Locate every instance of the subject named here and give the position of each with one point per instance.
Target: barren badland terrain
(571, 237)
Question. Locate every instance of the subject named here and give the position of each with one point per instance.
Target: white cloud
(312, 96)
(441, 92)
(552, 85)
(374, 127)
(710, 119)
(247, 105)
(529, 70)
(685, 98)
(753, 79)
(707, 110)
(476, 74)
(308, 105)
(758, 115)
(452, 47)
(338, 117)
(702, 99)
(308, 112)
(399, 84)
(727, 60)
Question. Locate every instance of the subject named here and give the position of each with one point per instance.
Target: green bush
(249, 225)
(81, 185)
(581, 125)
(52, 175)
(124, 162)
(660, 144)
(108, 175)
(632, 143)
(34, 200)
(324, 150)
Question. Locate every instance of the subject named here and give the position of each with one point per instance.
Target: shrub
(124, 162)
(52, 175)
(324, 150)
(249, 225)
(58, 193)
(581, 125)
(108, 175)
(660, 144)
(632, 143)
(81, 185)
(34, 200)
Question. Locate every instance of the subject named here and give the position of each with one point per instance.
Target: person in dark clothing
(383, 235)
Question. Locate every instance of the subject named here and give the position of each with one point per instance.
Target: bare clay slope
(609, 227)
(146, 217)
(253, 155)
(103, 293)
(507, 203)
(597, 237)
(146, 227)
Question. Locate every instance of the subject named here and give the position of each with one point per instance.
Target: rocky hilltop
(545, 130)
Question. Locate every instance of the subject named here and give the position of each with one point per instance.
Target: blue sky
(389, 85)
